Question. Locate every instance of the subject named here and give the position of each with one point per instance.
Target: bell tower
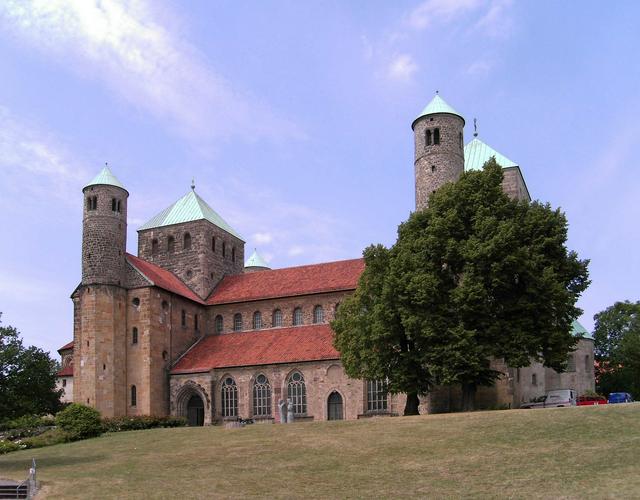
(100, 302)
(439, 148)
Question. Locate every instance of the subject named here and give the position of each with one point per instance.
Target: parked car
(591, 400)
(620, 397)
(553, 399)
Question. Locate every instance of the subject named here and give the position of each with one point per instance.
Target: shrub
(48, 438)
(79, 421)
(7, 446)
(132, 423)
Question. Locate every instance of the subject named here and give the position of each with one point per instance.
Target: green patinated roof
(188, 208)
(106, 177)
(580, 331)
(437, 105)
(477, 153)
(256, 260)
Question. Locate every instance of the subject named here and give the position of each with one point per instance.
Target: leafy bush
(79, 421)
(48, 438)
(7, 446)
(132, 423)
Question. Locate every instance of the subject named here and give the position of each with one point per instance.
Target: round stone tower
(439, 148)
(104, 230)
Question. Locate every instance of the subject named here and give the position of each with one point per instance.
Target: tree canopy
(475, 276)
(27, 378)
(617, 348)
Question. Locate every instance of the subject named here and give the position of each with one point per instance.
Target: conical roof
(477, 153)
(580, 331)
(437, 105)
(106, 177)
(256, 260)
(188, 208)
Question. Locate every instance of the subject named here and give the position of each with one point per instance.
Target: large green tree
(27, 378)
(475, 276)
(617, 348)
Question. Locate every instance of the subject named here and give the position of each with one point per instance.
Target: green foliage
(27, 378)
(79, 421)
(130, 423)
(8, 446)
(617, 348)
(48, 438)
(474, 276)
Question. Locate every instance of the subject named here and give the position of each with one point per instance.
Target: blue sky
(294, 118)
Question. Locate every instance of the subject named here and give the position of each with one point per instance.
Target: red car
(591, 400)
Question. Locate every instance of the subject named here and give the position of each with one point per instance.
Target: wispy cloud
(35, 161)
(479, 68)
(438, 11)
(402, 68)
(262, 238)
(127, 46)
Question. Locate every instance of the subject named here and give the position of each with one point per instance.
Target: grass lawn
(566, 452)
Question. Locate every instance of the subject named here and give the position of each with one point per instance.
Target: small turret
(104, 230)
(439, 148)
(255, 263)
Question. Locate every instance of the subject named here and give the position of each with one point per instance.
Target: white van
(553, 399)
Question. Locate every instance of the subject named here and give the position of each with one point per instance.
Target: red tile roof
(288, 282)
(163, 278)
(262, 347)
(66, 346)
(66, 371)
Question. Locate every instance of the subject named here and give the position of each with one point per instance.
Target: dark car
(591, 400)
(620, 397)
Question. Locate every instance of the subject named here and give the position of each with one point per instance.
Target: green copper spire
(580, 331)
(256, 261)
(188, 208)
(437, 105)
(477, 153)
(106, 177)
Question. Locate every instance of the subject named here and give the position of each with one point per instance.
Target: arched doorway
(195, 411)
(334, 406)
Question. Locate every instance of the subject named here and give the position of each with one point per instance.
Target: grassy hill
(565, 452)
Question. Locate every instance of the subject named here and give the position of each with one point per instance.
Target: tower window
(136, 302)
(195, 321)
(588, 366)
(154, 246)
(134, 336)
(171, 244)
(187, 241)
(213, 243)
(233, 254)
(184, 318)
(428, 137)
(118, 206)
(436, 136)
(534, 379)
(433, 168)
(134, 396)
(224, 249)
(92, 203)
(219, 323)
(114, 205)
(460, 140)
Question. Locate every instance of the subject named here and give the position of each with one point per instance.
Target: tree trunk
(468, 396)
(411, 407)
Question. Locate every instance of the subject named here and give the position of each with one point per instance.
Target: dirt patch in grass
(568, 453)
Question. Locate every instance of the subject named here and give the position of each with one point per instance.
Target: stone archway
(195, 411)
(335, 406)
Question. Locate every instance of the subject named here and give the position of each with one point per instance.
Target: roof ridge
(303, 265)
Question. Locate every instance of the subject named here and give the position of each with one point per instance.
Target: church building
(190, 327)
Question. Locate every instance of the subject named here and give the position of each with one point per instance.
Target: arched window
(376, 395)
(114, 205)
(436, 136)
(571, 363)
(92, 203)
(187, 241)
(428, 137)
(171, 244)
(164, 314)
(297, 393)
(154, 246)
(213, 243)
(588, 366)
(219, 323)
(257, 320)
(233, 254)
(318, 314)
(134, 335)
(134, 396)
(237, 322)
(229, 398)
(534, 379)
(261, 397)
(297, 316)
(433, 168)
(183, 317)
(224, 249)
(136, 302)
(276, 318)
(460, 140)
